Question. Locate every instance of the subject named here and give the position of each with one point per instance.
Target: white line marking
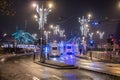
(35, 78)
(3, 59)
(56, 77)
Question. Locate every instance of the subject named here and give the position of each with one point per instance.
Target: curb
(3, 59)
(103, 72)
(98, 71)
(56, 66)
(82, 57)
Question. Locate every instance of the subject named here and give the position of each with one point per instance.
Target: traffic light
(91, 42)
(112, 41)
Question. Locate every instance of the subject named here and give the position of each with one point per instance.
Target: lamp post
(91, 35)
(84, 25)
(84, 28)
(46, 33)
(4, 34)
(15, 45)
(61, 33)
(101, 34)
(42, 19)
(34, 36)
(55, 29)
(65, 37)
(91, 44)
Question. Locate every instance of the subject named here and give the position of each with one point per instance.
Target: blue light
(91, 42)
(61, 46)
(71, 56)
(46, 50)
(95, 23)
(54, 59)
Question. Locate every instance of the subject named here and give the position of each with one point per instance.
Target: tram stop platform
(56, 65)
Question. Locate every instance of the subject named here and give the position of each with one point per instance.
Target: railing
(106, 55)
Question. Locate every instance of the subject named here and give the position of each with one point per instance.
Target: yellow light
(49, 32)
(89, 15)
(50, 5)
(92, 33)
(35, 34)
(45, 32)
(87, 25)
(51, 26)
(98, 32)
(2, 46)
(35, 16)
(4, 34)
(119, 4)
(34, 4)
(83, 37)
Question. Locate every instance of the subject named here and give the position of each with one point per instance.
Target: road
(24, 68)
(94, 65)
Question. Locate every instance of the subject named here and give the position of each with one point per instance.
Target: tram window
(69, 47)
(54, 48)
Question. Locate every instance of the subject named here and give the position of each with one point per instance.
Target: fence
(106, 55)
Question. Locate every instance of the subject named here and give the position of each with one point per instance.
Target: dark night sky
(65, 13)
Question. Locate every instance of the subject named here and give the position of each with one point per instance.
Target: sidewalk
(98, 65)
(100, 56)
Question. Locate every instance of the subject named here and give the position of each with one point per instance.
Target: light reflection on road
(91, 65)
(68, 59)
(25, 69)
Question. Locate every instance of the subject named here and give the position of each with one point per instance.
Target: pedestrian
(80, 49)
(34, 53)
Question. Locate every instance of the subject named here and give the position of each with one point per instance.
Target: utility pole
(42, 19)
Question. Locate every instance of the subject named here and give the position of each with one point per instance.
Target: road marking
(56, 77)
(2, 60)
(35, 78)
(15, 61)
(28, 74)
(41, 70)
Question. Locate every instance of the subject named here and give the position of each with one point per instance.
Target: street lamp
(46, 33)
(4, 34)
(51, 26)
(84, 25)
(119, 4)
(91, 43)
(97, 32)
(65, 37)
(34, 36)
(101, 34)
(56, 30)
(61, 33)
(35, 16)
(89, 16)
(42, 19)
(50, 5)
(91, 35)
